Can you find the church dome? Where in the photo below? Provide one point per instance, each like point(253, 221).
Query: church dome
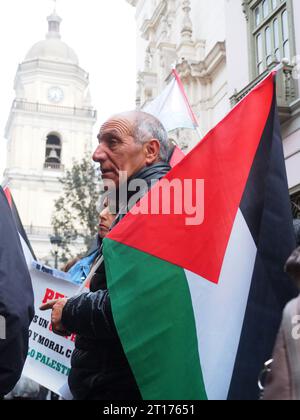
point(53, 48)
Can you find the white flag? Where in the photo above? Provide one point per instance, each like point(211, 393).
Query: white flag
point(172, 107)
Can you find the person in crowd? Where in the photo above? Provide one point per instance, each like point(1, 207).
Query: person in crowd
point(283, 380)
point(135, 143)
point(79, 268)
point(16, 301)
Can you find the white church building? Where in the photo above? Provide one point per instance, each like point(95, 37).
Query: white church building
point(50, 123)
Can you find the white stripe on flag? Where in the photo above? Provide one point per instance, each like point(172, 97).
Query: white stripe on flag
point(220, 310)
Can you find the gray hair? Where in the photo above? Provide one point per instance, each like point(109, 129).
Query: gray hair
point(148, 127)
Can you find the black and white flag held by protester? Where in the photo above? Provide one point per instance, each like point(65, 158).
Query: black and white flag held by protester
point(16, 300)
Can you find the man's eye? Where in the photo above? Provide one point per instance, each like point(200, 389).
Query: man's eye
point(113, 142)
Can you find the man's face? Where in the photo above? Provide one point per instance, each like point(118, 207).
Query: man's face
point(117, 150)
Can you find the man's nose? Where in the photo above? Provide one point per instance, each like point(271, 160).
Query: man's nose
point(99, 154)
point(103, 215)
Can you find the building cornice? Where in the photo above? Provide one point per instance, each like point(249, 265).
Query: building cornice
point(132, 2)
point(49, 177)
point(164, 45)
point(25, 108)
point(152, 23)
point(205, 68)
point(52, 68)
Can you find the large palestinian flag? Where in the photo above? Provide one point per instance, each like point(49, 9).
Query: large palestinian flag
point(198, 308)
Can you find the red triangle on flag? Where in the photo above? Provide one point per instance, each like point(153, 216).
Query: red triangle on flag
point(177, 157)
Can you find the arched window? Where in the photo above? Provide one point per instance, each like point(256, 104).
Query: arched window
point(53, 152)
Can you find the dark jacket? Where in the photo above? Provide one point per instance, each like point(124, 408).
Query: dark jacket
point(16, 301)
point(100, 370)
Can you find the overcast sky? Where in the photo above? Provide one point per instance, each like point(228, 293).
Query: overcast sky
point(102, 33)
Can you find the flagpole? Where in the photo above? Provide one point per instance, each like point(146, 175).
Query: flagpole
point(193, 115)
point(86, 283)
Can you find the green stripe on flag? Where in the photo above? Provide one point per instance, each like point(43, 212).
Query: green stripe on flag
point(153, 313)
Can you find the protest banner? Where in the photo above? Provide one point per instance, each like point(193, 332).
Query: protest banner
point(49, 355)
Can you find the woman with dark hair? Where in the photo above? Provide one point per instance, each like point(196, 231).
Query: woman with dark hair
point(80, 267)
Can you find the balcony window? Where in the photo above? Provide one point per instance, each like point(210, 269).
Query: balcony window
point(271, 32)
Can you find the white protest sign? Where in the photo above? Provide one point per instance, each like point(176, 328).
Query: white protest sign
point(49, 355)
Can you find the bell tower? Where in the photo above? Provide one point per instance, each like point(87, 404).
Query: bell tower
point(50, 123)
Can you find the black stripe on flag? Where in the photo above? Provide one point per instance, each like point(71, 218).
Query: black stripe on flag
point(20, 228)
point(16, 300)
point(267, 211)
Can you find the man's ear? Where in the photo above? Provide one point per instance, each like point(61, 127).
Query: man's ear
point(152, 151)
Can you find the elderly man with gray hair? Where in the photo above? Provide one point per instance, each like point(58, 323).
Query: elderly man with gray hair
point(135, 143)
